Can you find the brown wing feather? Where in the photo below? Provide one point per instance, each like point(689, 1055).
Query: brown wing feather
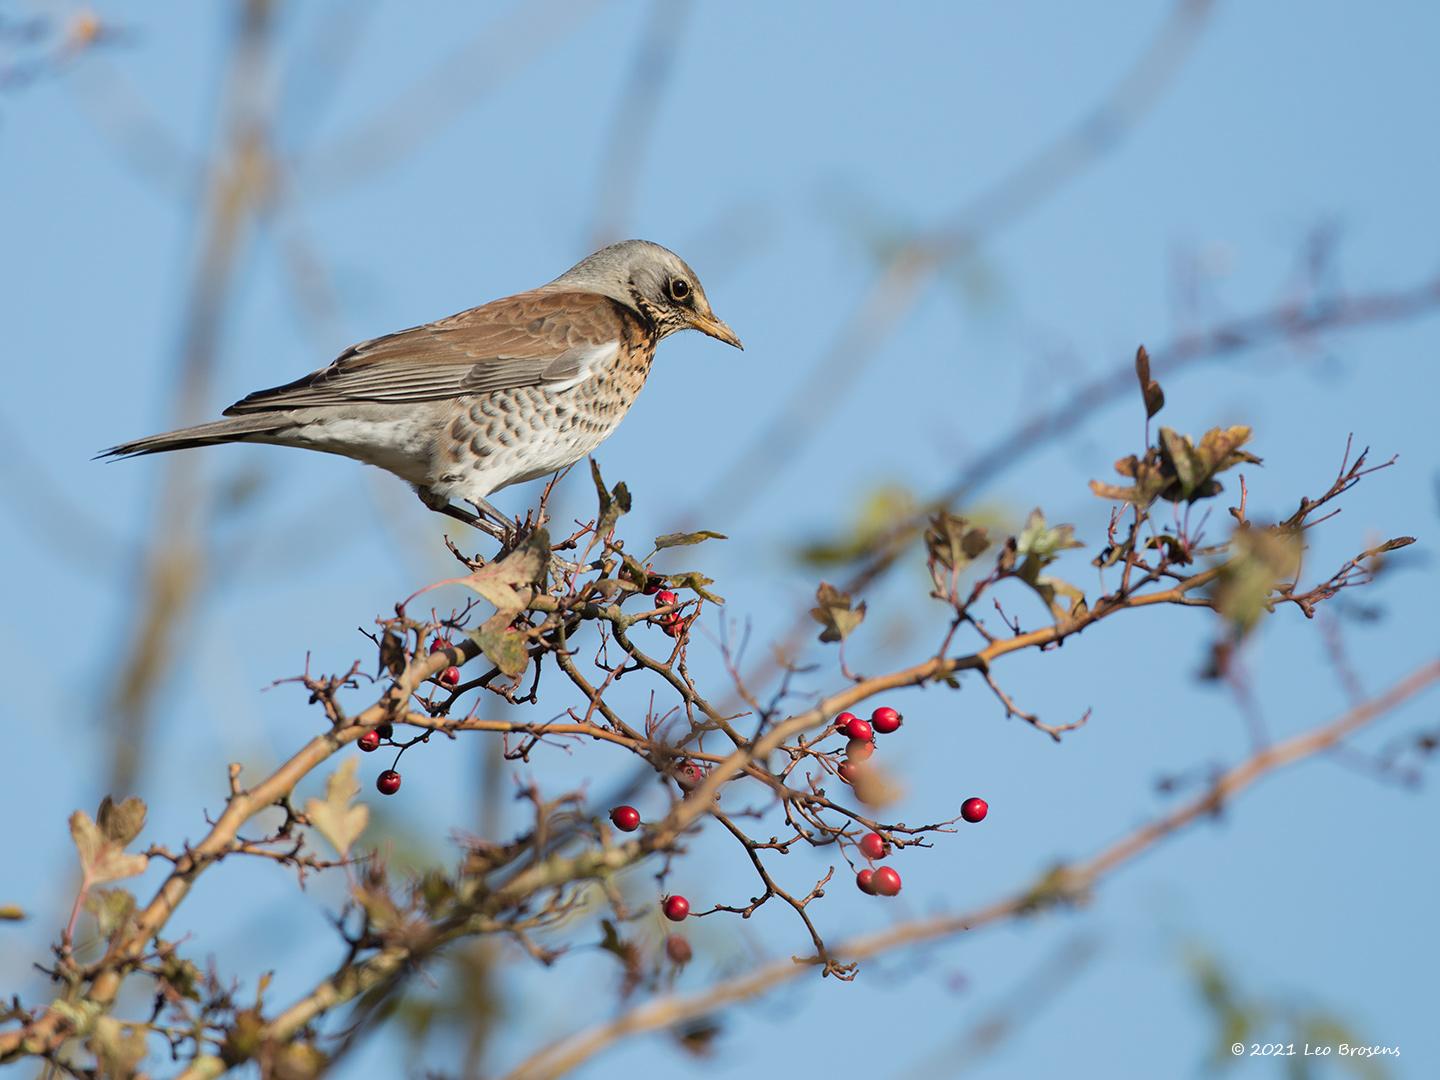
point(529, 339)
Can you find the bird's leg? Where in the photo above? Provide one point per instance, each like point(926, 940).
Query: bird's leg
point(514, 530)
point(444, 506)
point(488, 509)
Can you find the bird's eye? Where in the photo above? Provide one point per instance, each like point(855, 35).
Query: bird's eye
point(679, 289)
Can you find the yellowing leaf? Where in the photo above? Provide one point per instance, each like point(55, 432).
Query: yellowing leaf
point(502, 646)
point(334, 816)
point(509, 582)
point(118, 1047)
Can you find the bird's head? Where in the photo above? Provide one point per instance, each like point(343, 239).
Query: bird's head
point(653, 281)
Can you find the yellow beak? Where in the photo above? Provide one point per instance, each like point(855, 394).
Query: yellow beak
point(709, 324)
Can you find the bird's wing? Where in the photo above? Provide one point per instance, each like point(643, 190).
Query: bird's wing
point(552, 339)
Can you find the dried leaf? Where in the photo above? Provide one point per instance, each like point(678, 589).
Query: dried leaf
point(834, 612)
point(1389, 545)
point(670, 540)
point(121, 823)
point(612, 503)
point(509, 583)
point(695, 583)
point(392, 653)
point(334, 816)
point(954, 542)
point(1177, 469)
point(1149, 388)
point(102, 857)
point(11, 913)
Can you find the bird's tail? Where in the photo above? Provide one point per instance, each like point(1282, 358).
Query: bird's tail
point(256, 428)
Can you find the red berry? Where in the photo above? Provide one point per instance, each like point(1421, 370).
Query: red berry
point(973, 810)
point(676, 908)
point(673, 624)
point(847, 772)
point(665, 596)
point(859, 729)
point(369, 741)
point(625, 818)
point(865, 881)
point(688, 775)
point(388, 782)
point(886, 881)
point(842, 722)
point(873, 846)
point(678, 949)
point(439, 644)
point(885, 720)
point(385, 730)
point(450, 676)
point(857, 750)
point(652, 584)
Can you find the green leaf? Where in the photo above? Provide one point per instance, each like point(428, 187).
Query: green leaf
point(334, 816)
point(102, 852)
point(670, 540)
point(836, 612)
point(1149, 388)
point(873, 519)
point(1260, 561)
point(502, 646)
point(1039, 541)
point(509, 583)
point(112, 909)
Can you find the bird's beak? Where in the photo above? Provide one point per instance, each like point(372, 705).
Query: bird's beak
point(709, 324)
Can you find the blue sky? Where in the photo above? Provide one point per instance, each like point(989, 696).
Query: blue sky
point(785, 139)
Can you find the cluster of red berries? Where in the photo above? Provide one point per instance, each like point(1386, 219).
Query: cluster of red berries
point(861, 733)
point(882, 880)
point(451, 675)
point(673, 623)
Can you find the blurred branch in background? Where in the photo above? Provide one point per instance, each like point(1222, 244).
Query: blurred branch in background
point(633, 125)
point(1064, 885)
point(1022, 1005)
point(432, 102)
point(872, 557)
point(38, 47)
point(239, 187)
point(910, 265)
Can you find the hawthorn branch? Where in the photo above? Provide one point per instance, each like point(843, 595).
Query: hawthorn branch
point(1063, 885)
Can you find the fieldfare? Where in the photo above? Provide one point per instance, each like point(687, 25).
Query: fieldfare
point(506, 392)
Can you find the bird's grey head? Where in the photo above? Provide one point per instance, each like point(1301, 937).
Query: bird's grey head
point(653, 281)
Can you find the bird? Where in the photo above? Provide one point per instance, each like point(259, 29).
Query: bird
point(495, 395)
